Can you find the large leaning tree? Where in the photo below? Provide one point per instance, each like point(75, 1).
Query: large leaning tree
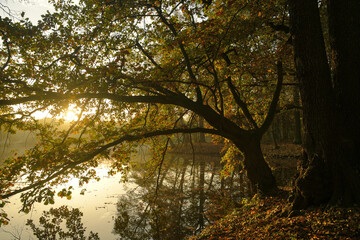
point(327, 59)
point(136, 70)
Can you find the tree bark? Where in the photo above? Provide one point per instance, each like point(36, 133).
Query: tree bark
point(297, 119)
point(329, 171)
point(344, 28)
point(257, 169)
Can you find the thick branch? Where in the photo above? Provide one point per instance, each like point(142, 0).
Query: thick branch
point(217, 87)
point(58, 96)
point(275, 99)
point(213, 118)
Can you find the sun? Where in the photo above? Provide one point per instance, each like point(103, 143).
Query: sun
point(71, 114)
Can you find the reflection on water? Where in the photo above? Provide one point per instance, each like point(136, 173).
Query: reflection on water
point(179, 202)
point(63, 223)
point(98, 205)
point(186, 195)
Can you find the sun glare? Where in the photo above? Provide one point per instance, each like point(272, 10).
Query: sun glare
point(71, 114)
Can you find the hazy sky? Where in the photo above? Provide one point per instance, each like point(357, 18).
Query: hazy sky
point(33, 8)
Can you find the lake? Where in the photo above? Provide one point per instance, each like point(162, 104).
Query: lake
point(188, 194)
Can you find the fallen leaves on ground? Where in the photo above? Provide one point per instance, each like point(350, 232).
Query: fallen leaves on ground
point(261, 219)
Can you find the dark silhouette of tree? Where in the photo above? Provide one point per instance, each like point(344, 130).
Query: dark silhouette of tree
point(329, 76)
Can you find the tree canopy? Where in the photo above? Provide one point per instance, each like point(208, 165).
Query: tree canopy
point(139, 70)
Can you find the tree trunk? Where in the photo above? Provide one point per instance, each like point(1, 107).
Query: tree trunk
point(297, 128)
point(329, 171)
point(344, 28)
point(258, 171)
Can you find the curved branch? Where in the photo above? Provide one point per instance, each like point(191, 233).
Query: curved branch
point(72, 56)
point(210, 115)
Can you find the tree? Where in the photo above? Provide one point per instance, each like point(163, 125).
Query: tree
point(134, 70)
point(329, 77)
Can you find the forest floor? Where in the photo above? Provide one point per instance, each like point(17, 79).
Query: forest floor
point(262, 218)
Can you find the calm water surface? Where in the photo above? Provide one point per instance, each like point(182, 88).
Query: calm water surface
point(188, 194)
point(98, 205)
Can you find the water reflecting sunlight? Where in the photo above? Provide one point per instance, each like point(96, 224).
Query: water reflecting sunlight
point(186, 196)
